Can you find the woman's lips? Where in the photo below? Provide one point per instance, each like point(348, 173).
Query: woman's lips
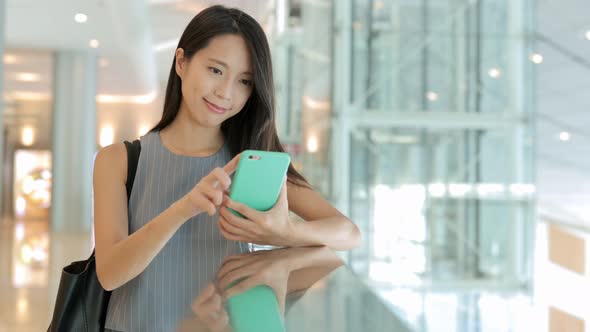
point(214, 108)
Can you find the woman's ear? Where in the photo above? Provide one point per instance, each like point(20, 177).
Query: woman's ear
point(180, 63)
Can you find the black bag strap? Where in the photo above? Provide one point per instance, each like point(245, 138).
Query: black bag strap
point(133, 151)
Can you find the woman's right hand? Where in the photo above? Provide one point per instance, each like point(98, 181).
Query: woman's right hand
point(207, 195)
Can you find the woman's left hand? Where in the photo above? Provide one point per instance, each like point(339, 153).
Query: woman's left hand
point(270, 227)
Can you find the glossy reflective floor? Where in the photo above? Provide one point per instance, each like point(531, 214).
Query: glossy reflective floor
point(31, 259)
point(321, 295)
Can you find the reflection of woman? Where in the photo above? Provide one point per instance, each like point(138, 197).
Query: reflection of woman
point(286, 271)
point(157, 252)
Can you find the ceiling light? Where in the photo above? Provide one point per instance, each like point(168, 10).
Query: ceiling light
point(20, 206)
point(143, 130)
point(94, 43)
point(27, 95)
point(432, 96)
point(316, 104)
point(564, 136)
point(403, 139)
point(494, 72)
point(28, 77)
point(166, 45)
point(10, 59)
point(587, 34)
point(312, 144)
point(133, 99)
point(27, 136)
point(81, 18)
point(106, 136)
point(537, 58)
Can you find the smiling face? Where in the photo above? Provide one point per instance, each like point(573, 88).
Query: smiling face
point(216, 82)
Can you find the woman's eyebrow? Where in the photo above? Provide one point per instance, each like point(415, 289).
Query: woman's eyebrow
point(226, 66)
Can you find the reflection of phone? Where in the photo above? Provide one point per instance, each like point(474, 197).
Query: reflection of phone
point(257, 183)
point(259, 178)
point(255, 310)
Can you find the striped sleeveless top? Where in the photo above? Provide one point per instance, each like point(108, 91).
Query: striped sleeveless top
point(160, 297)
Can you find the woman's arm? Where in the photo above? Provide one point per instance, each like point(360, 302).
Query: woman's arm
point(324, 224)
point(120, 257)
point(310, 265)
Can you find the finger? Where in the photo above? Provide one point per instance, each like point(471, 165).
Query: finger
point(231, 264)
point(205, 294)
point(213, 305)
point(241, 287)
point(237, 256)
point(226, 234)
point(220, 322)
point(215, 195)
point(219, 175)
point(283, 194)
point(231, 166)
point(284, 188)
point(210, 308)
point(203, 202)
point(243, 209)
point(211, 312)
point(232, 233)
point(206, 303)
point(236, 274)
point(235, 224)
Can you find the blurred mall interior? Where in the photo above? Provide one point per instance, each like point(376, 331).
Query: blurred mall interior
point(450, 131)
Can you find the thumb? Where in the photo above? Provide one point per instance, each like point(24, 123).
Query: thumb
point(283, 194)
point(281, 299)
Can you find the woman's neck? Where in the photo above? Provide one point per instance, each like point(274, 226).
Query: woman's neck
point(186, 137)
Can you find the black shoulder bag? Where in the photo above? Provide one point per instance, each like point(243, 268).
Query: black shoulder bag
point(81, 303)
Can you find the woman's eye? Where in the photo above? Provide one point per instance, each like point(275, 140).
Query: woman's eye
point(247, 82)
point(215, 70)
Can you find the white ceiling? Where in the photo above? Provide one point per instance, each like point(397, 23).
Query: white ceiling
point(128, 32)
point(563, 104)
point(124, 39)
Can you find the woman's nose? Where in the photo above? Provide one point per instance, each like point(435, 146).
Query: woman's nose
point(223, 91)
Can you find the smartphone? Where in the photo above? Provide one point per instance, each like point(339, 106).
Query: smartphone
point(258, 179)
point(255, 310)
point(257, 183)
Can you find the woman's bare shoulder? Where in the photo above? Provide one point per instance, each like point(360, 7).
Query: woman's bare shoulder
point(112, 159)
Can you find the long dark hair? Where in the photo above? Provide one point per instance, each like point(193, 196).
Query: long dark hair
point(254, 126)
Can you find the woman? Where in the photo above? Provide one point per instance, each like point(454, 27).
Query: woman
point(159, 251)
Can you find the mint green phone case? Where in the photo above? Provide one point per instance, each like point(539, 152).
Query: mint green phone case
point(257, 183)
point(255, 310)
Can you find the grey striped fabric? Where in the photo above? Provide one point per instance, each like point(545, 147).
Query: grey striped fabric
point(161, 296)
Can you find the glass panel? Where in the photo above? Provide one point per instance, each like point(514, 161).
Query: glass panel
point(453, 208)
